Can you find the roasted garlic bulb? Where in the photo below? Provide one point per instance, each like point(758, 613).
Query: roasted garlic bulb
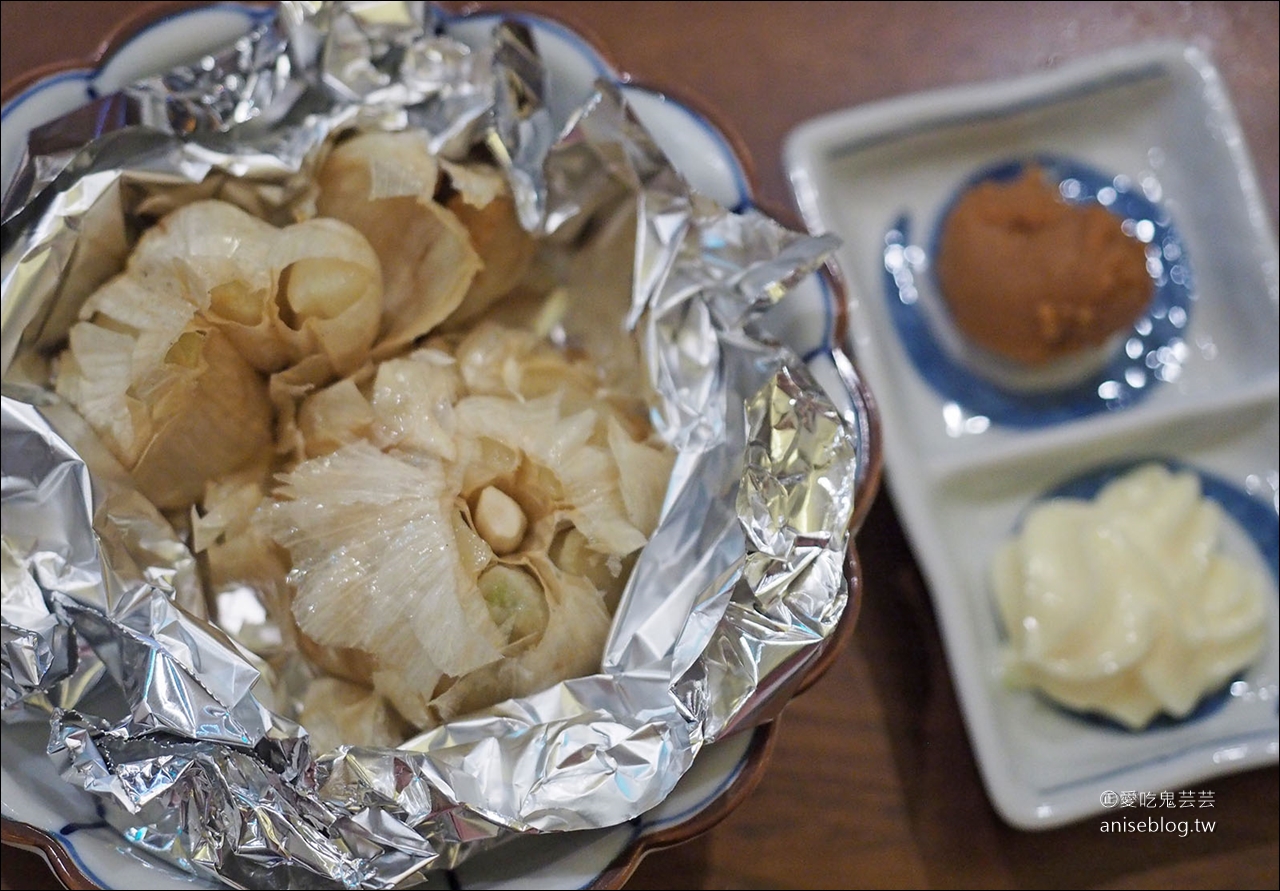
point(470, 533)
point(440, 261)
point(437, 512)
point(169, 361)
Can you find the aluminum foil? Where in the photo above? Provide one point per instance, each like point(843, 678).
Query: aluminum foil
point(165, 717)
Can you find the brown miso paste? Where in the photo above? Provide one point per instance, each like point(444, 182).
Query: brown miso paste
point(1032, 278)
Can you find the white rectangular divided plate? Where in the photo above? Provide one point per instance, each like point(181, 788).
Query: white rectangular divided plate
point(1159, 120)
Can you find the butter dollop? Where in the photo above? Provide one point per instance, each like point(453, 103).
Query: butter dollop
point(1125, 605)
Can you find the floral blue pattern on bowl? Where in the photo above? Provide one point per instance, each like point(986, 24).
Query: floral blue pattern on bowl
point(66, 818)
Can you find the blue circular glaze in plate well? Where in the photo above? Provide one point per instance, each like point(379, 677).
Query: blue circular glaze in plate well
point(1151, 353)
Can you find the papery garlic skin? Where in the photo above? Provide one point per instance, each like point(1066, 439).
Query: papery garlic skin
point(234, 548)
point(384, 185)
point(169, 361)
point(1125, 605)
point(376, 564)
point(337, 712)
point(197, 413)
point(505, 249)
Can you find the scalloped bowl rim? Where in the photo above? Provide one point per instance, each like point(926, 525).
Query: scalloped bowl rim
point(49, 91)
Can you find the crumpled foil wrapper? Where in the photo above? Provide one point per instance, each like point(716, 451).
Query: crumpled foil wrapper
point(160, 713)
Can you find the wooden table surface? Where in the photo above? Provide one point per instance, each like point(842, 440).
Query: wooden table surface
point(873, 781)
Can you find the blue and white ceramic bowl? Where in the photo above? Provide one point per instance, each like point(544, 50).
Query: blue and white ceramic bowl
point(43, 813)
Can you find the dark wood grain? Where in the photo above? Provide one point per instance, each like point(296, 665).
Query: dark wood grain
point(873, 782)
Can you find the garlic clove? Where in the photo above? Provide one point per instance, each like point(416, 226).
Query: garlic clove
point(499, 520)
